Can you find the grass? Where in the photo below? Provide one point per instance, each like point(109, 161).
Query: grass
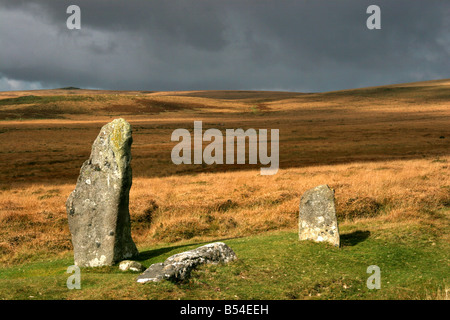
point(216, 205)
point(405, 233)
point(384, 151)
point(270, 266)
point(32, 99)
point(315, 129)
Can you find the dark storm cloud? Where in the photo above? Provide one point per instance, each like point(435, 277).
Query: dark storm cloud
point(195, 44)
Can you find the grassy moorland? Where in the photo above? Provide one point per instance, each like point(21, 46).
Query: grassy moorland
point(385, 151)
point(274, 265)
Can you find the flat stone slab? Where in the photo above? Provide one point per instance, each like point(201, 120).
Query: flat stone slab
point(154, 273)
point(179, 266)
point(317, 216)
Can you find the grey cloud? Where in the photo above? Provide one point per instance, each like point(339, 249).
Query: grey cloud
point(253, 44)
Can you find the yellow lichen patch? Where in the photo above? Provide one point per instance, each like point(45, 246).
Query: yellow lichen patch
point(121, 132)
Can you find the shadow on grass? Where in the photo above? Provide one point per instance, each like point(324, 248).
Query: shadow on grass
point(353, 238)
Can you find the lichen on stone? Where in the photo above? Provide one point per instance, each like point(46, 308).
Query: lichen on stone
point(121, 133)
point(101, 199)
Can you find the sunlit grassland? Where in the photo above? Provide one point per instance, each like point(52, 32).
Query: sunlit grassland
point(383, 150)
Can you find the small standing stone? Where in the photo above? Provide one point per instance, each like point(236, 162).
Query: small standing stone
point(317, 217)
point(97, 210)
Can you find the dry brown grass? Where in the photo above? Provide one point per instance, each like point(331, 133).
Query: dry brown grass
point(377, 124)
point(219, 205)
point(384, 150)
point(443, 294)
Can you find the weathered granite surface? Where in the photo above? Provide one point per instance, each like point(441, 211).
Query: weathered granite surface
point(317, 216)
point(97, 210)
point(178, 267)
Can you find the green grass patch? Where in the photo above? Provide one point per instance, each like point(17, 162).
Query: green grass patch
point(274, 265)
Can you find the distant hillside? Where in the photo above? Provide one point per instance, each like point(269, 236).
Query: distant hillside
point(65, 103)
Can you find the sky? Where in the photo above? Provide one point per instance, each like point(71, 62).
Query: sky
point(170, 45)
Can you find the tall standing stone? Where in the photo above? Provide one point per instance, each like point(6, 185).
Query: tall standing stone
point(97, 210)
point(317, 218)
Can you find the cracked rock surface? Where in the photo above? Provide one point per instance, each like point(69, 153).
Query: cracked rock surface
point(179, 266)
point(97, 210)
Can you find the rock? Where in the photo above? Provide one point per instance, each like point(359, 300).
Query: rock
point(317, 218)
point(130, 265)
point(97, 210)
point(178, 267)
point(154, 273)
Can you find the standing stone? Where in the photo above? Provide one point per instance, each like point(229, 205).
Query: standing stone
point(317, 218)
point(97, 210)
